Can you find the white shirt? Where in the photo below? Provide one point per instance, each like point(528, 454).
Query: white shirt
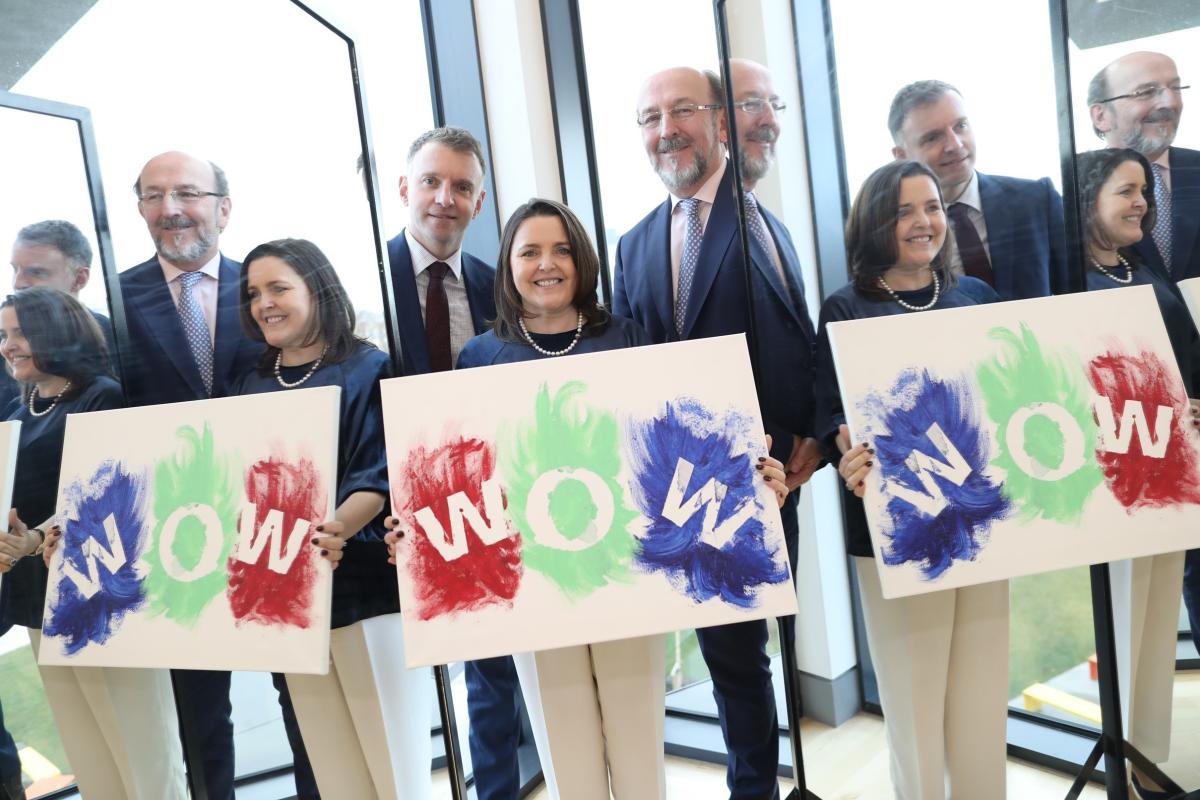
point(706, 194)
point(205, 291)
point(970, 199)
point(462, 328)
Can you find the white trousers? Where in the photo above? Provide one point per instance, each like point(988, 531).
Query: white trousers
point(366, 723)
point(119, 729)
point(597, 713)
point(1146, 594)
point(941, 660)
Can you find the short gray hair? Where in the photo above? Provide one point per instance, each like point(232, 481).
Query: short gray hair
point(459, 140)
point(62, 236)
point(1098, 89)
point(912, 96)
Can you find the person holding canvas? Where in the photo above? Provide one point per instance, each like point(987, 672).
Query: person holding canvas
point(117, 726)
point(1117, 202)
point(941, 658)
point(358, 722)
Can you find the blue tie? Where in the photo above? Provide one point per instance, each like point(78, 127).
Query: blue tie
point(196, 327)
point(1162, 223)
point(758, 228)
point(687, 261)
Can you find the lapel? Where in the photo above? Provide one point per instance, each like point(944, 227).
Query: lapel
point(658, 281)
point(1185, 208)
point(150, 297)
point(794, 301)
point(1000, 231)
point(408, 308)
point(718, 237)
point(229, 325)
point(483, 307)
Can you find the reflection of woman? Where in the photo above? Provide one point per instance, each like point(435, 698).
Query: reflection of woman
point(1116, 191)
point(117, 725)
point(365, 725)
point(941, 658)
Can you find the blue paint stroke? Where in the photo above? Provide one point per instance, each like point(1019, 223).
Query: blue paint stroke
point(717, 449)
point(959, 531)
point(82, 620)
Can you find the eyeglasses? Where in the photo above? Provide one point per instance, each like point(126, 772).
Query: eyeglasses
point(651, 119)
point(1147, 93)
point(182, 196)
point(755, 106)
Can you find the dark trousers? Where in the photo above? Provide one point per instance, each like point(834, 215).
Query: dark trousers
point(736, 656)
point(306, 782)
point(493, 708)
point(10, 763)
point(1191, 593)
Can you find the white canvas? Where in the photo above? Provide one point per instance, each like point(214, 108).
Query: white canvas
point(572, 500)
point(10, 437)
point(186, 532)
point(1062, 437)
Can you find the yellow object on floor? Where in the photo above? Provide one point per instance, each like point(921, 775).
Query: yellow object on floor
point(36, 765)
point(1039, 694)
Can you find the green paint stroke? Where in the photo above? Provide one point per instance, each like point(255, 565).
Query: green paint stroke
point(1023, 374)
point(564, 433)
point(194, 474)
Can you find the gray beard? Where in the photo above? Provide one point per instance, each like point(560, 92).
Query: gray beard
point(1148, 145)
point(184, 254)
point(753, 169)
point(683, 177)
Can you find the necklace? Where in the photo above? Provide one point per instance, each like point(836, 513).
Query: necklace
point(1104, 270)
point(57, 397)
point(544, 351)
point(316, 366)
point(937, 291)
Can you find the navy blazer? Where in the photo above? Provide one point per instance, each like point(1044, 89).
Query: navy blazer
point(1185, 219)
point(479, 278)
point(161, 368)
point(1027, 239)
point(642, 291)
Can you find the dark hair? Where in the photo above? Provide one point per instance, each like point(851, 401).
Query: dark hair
point(459, 140)
point(912, 96)
point(1097, 92)
point(62, 236)
point(871, 229)
point(1093, 169)
point(716, 86)
point(334, 317)
point(510, 307)
point(222, 182)
point(64, 338)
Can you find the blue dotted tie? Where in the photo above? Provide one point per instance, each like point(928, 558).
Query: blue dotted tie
point(758, 228)
point(687, 262)
point(1162, 223)
point(196, 327)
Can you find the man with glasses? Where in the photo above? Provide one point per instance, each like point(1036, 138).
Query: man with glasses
point(1008, 232)
point(181, 309)
point(1136, 102)
point(699, 290)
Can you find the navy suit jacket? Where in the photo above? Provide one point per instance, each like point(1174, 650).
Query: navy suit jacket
point(1027, 238)
point(1185, 219)
point(642, 291)
point(161, 368)
point(479, 279)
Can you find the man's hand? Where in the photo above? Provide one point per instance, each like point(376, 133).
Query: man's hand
point(806, 455)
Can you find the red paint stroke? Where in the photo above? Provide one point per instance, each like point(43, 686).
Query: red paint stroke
point(487, 574)
point(1135, 479)
point(256, 592)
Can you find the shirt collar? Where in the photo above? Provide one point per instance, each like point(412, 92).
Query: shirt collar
point(1164, 160)
point(212, 269)
point(422, 258)
point(970, 195)
point(708, 191)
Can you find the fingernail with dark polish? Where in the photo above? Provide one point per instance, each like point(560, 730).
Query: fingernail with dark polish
point(313, 540)
point(766, 477)
point(758, 466)
point(324, 552)
point(762, 459)
point(320, 528)
point(871, 450)
point(869, 463)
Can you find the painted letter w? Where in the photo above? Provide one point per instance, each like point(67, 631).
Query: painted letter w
point(461, 513)
point(113, 559)
point(1133, 416)
point(251, 543)
point(954, 469)
point(710, 495)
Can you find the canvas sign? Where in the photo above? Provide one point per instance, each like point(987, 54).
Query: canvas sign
point(186, 531)
point(573, 500)
point(1020, 437)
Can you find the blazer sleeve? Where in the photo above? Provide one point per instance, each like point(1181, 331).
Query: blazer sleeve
point(361, 429)
point(1060, 278)
point(620, 298)
point(830, 414)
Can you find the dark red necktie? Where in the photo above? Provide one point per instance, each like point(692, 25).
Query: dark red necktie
point(970, 248)
point(437, 318)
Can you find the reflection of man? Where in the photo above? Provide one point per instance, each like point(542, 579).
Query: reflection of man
point(758, 108)
point(1136, 101)
point(181, 308)
point(1009, 232)
point(443, 299)
point(699, 291)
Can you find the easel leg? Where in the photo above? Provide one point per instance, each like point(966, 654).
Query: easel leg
point(794, 706)
point(454, 767)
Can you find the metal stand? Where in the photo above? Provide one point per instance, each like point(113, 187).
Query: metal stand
point(454, 767)
point(1112, 743)
point(795, 707)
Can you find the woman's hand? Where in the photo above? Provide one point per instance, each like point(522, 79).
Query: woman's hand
point(17, 543)
point(53, 537)
point(392, 537)
point(773, 474)
point(1195, 407)
point(856, 462)
point(329, 541)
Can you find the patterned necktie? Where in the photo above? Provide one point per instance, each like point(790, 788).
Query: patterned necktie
point(970, 247)
point(195, 327)
point(437, 317)
point(758, 228)
point(687, 262)
point(1162, 222)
